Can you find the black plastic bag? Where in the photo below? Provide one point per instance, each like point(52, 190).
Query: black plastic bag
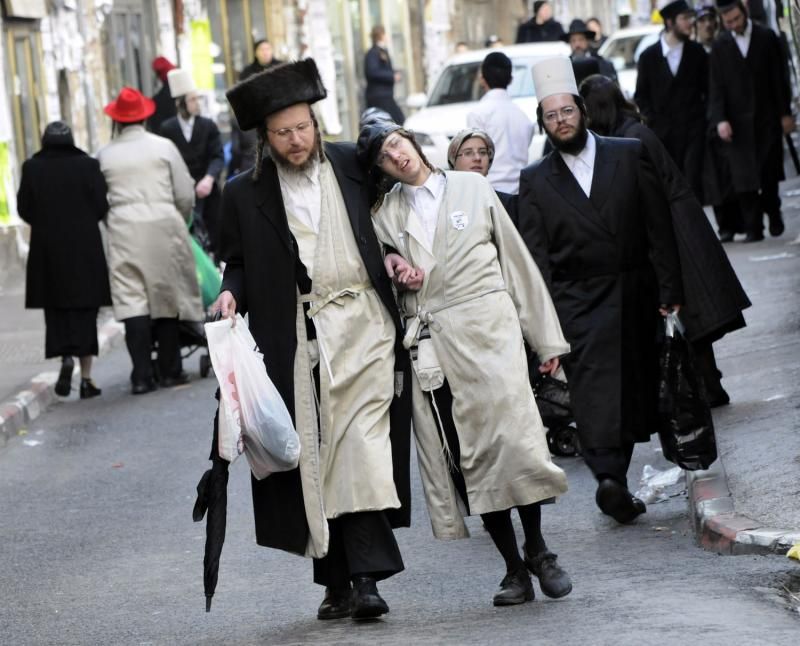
point(552, 399)
point(686, 429)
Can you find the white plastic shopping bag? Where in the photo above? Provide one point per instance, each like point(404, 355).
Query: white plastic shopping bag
point(252, 417)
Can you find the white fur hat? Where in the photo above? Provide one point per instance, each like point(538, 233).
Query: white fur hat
point(554, 76)
point(180, 82)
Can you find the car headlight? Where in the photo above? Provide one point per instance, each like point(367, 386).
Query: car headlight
point(423, 139)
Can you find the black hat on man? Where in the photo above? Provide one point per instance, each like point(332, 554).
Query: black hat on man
point(577, 26)
point(370, 140)
point(705, 10)
point(267, 92)
point(672, 10)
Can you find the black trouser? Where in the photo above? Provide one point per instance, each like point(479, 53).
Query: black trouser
point(610, 462)
point(139, 334)
point(361, 543)
point(706, 364)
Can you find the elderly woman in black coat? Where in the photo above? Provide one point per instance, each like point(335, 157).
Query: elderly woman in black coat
point(62, 196)
point(714, 296)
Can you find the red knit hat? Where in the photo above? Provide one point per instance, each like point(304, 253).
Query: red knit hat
point(131, 106)
point(161, 66)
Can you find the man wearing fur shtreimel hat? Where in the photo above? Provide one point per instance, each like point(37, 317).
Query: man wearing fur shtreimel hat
point(594, 217)
point(199, 142)
point(303, 261)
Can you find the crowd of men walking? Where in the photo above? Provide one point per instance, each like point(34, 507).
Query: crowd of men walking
point(381, 289)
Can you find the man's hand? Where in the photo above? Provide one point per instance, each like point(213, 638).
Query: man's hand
point(666, 309)
point(204, 187)
point(725, 131)
point(398, 77)
point(788, 124)
point(550, 366)
point(225, 305)
point(403, 275)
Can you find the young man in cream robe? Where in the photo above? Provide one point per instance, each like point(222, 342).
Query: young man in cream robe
point(480, 441)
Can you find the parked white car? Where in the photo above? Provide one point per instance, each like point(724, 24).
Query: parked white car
point(623, 49)
point(456, 92)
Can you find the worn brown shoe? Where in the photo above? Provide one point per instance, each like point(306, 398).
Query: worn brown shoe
point(515, 588)
point(553, 579)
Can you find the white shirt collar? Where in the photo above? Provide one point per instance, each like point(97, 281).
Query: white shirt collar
point(666, 48)
point(496, 93)
point(585, 156)
point(433, 185)
point(310, 175)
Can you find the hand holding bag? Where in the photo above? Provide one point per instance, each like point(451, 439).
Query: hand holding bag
point(250, 402)
point(686, 428)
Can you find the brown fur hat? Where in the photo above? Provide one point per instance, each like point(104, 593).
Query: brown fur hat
point(263, 94)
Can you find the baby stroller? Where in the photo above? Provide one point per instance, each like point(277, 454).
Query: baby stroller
point(192, 333)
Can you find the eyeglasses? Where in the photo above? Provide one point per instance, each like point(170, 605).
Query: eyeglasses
point(285, 133)
point(390, 146)
point(471, 153)
point(564, 114)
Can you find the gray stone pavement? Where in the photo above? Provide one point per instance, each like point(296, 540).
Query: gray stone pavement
point(97, 546)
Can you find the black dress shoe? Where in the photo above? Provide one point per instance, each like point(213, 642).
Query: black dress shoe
point(366, 602)
point(515, 588)
point(142, 387)
point(718, 398)
point(616, 501)
point(178, 380)
point(336, 604)
point(753, 237)
point(88, 389)
point(553, 580)
point(726, 236)
point(64, 383)
point(776, 227)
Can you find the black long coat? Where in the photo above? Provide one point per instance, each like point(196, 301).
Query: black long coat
point(609, 260)
point(203, 156)
point(62, 195)
point(714, 297)
point(752, 94)
point(379, 73)
point(263, 272)
point(675, 106)
point(165, 108)
point(531, 32)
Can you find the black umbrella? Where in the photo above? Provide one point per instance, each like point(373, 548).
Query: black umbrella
point(212, 495)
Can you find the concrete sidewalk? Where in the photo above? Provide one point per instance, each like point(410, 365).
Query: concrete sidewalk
point(27, 378)
point(752, 503)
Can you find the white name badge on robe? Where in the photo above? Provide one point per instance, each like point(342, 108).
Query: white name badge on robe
point(460, 220)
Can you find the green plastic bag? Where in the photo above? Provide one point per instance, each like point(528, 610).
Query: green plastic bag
point(207, 275)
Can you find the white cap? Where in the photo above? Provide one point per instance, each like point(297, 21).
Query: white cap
point(554, 76)
point(180, 82)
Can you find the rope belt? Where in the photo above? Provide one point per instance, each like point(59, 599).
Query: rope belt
point(425, 317)
point(319, 301)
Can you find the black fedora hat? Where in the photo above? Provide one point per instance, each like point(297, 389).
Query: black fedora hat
point(577, 26)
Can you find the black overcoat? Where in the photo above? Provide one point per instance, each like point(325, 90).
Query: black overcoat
point(62, 195)
point(379, 74)
point(609, 261)
point(714, 297)
point(263, 272)
point(203, 156)
point(674, 107)
point(531, 32)
point(752, 94)
point(165, 108)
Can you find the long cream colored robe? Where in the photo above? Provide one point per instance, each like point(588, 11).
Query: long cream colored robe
point(482, 293)
point(150, 260)
point(346, 465)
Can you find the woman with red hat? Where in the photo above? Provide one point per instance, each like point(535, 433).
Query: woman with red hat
point(151, 266)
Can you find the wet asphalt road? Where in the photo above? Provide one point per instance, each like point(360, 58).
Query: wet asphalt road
point(97, 546)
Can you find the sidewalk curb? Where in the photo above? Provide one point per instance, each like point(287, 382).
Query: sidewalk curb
point(717, 526)
point(30, 402)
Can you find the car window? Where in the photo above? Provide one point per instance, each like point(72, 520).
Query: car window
point(625, 49)
point(459, 83)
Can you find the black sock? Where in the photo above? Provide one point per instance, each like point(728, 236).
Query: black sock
point(498, 524)
point(531, 517)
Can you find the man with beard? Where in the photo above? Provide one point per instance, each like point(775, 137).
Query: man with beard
point(585, 61)
point(596, 222)
point(304, 263)
point(750, 107)
point(672, 90)
point(198, 141)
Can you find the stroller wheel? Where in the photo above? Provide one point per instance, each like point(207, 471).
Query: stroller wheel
point(205, 365)
point(563, 441)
